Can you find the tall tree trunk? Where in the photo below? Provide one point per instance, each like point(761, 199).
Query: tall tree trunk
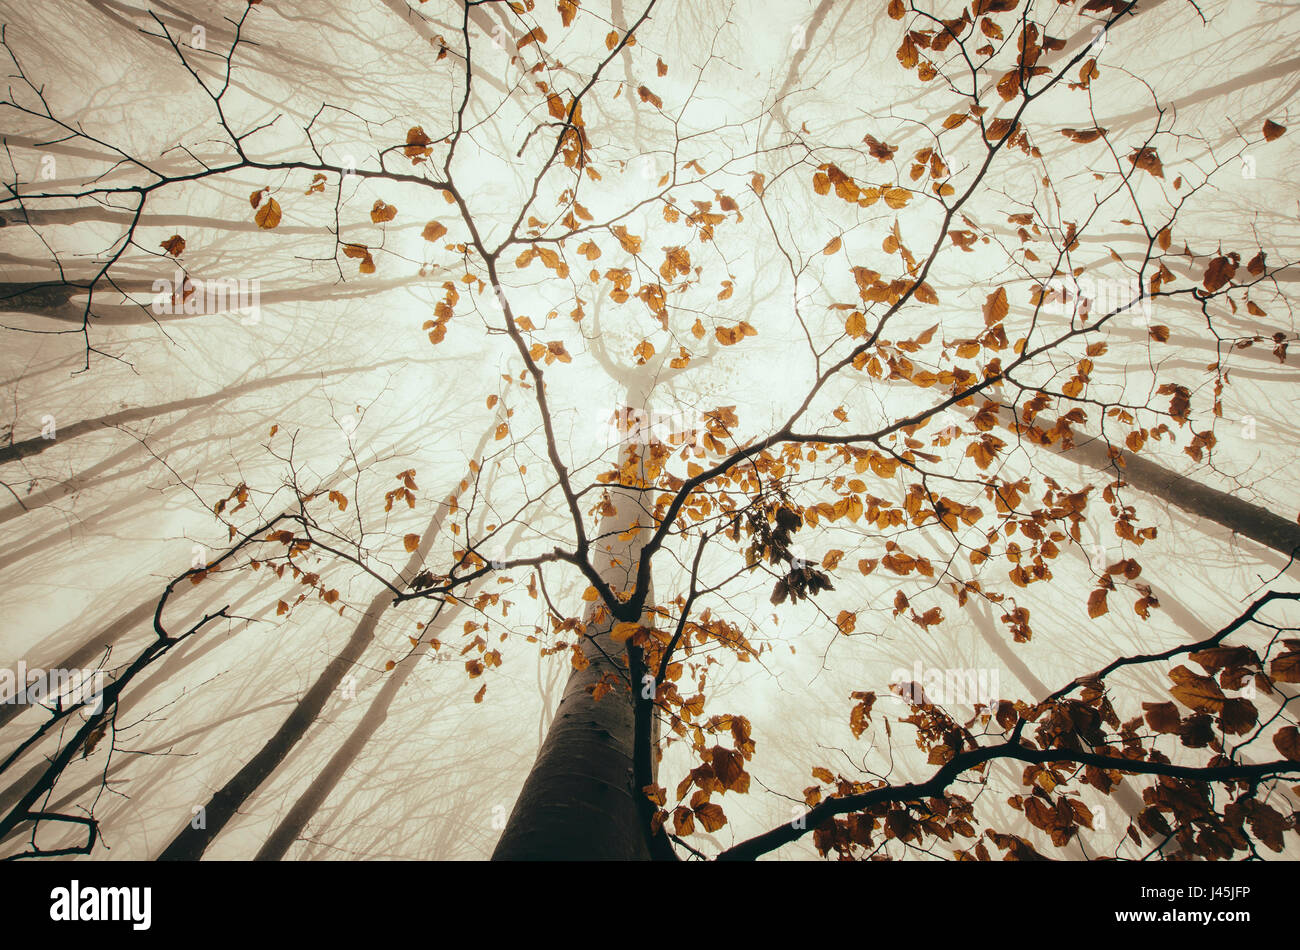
point(582, 799)
point(578, 802)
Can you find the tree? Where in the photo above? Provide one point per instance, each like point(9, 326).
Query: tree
point(886, 366)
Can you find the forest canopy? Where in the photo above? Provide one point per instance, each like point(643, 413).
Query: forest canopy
point(649, 430)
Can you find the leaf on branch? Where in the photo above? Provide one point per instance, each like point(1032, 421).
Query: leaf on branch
point(631, 243)
point(880, 151)
point(624, 631)
point(1287, 741)
point(433, 231)
point(381, 212)
point(1272, 130)
point(1238, 717)
point(683, 821)
point(1285, 667)
point(1146, 159)
point(1199, 693)
point(174, 245)
point(1162, 717)
point(535, 35)
point(362, 253)
point(1009, 85)
point(907, 53)
point(1097, 603)
point(856, 324)
point(711, 816)
point(925, 293)
point(996, 307)
point(896, 197)
point(268, 216)
point(418, 145)
point(729, 336)
point(1220, 271)
point(1083, 136)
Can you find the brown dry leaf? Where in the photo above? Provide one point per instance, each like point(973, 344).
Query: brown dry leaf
point(268, 216)
point(1097, 603)
point(1009, 85)
point(418, 145)
point(1287, 741)
point(1083, 136)
point(1220, 271)
point(1162, 717)
point(1285, 667)
point(631, 243)
point(925, 293)
point(996, 307)
point(1146, 159)
point(362, 253)
point(711, 816)
point(683, 821)
point(535, 35)
point(1200, 693)
point(896, 197)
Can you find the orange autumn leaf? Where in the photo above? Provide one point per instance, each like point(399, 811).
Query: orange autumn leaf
point(268, 215)
point(1097, 603)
